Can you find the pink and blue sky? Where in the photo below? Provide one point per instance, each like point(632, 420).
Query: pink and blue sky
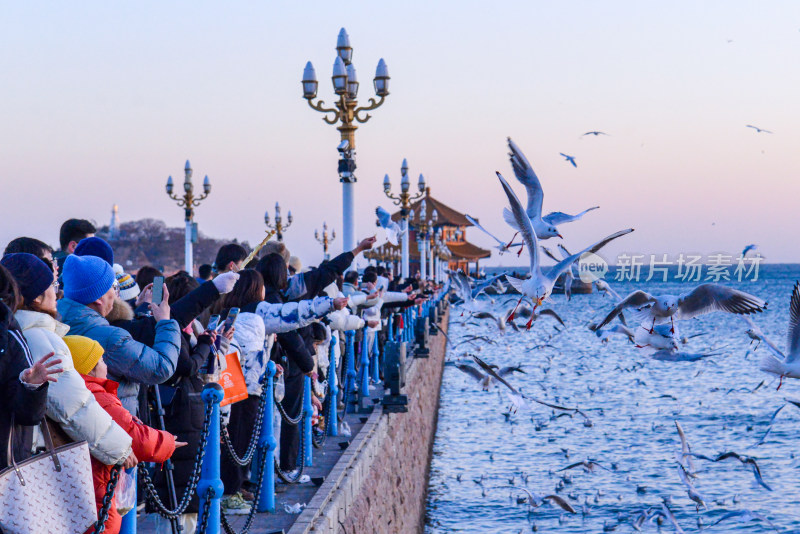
point(102, 101)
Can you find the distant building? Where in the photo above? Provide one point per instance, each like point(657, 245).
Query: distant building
point(113, 227)
point(453, 224)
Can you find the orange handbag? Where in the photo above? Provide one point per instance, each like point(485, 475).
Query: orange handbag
point(232, 381)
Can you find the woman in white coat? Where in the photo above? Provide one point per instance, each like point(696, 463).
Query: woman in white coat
point(69, 403)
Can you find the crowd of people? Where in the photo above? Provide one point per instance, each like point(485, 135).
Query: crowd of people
point(87, 350)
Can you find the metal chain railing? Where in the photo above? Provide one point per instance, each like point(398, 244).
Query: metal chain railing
point(108, 498)
point(150, 490)
point(256, 496)
point(318, 438)
point(205, 512)
point(247, 457)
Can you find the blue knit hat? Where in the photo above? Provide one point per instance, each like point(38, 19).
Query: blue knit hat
point(95, 246)
point(32, 274)
point(86, 278)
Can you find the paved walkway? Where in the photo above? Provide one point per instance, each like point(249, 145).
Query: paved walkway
point(324, 459)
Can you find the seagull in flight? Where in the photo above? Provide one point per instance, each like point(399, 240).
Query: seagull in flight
point(545, 226)
point(705, 298)
point(502, 246)
point(570, 159)
point(594, 133)
point(757, 129)
point(539, 286)
point(393, 230)
point(779, 363)
point(486, 379)
point(747, 249)
point(535, 501)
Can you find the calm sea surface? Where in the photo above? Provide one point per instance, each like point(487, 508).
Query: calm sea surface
point(633, 402)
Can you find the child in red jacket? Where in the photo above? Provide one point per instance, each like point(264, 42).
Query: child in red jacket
point(149, 444)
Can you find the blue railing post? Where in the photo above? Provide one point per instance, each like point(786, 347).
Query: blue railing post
point(332, 424)
point(350, 381)
point(128, 525)
point(209, 473)
point(363, 371)
point(308, 411)
point(266, 495)
point(390, 328)
point(375, 361)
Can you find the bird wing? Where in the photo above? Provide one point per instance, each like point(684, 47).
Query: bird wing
point(793, 335)
point(480, 288)
point(505, 371)
point(384, 217)
point(531, 498)
point(524, 226)
point(553, 314)
point(524, 173)
point(549, 254)
point(471, 371)
point(564, 505)
point(559, 217)
point(570, 466)
point(637, 299)
point(707, 298)
point(463, 288)
point(491, 372)
point(748, 248)
point(485, 231)
point(565, 264)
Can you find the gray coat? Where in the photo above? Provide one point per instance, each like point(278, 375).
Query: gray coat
point(129, 362)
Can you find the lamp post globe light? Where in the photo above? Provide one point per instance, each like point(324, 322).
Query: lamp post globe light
point(325, 239)
point(279, 227)
point(404, 200)
point(346, 114)
point(188, 202)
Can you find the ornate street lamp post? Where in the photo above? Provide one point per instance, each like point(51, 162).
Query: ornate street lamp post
point(188, 202)
point(404, 200)
point(346, 114)
point(325, 240)
point(278, 227)
point(423, 242)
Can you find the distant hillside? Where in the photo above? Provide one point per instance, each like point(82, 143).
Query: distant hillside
point(151, 242)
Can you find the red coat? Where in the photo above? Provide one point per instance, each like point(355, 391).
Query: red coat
point(149, 444)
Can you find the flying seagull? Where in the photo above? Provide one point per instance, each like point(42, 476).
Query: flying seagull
point(786, 364)
point(485, 379)
point(705, 298)
point(545, 226)
point(747, 249)
point(535, 501)
point(570, 159)
point(393, 230)
point(594, 133)
point(539, 286)
point(502, 246)
point(757, 129)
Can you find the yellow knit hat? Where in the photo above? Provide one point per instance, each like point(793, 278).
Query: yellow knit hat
point(85, 353)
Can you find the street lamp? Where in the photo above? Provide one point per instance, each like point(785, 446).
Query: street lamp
point(278, 227)
point(404, 200)
point(429, 242)
point(346, 114)
point(325, 240)
point(425, 225)
point(188, 202)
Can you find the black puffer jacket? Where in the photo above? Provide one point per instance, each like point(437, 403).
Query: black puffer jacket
point(184, 414)
point(27, 405)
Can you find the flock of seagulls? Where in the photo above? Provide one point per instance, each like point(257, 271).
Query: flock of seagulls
point(648, 321)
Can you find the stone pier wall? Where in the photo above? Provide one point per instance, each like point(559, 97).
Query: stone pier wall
point(379, 485)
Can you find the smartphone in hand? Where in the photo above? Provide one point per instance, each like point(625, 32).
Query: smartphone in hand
point(158, 290)
point(230, 320)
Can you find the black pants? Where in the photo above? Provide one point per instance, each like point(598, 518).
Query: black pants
point(290, 434)
point(240, 428)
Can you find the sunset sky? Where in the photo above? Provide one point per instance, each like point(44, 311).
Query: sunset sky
point(102, 101)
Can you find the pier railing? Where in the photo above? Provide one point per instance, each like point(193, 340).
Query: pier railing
point(406, 336)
